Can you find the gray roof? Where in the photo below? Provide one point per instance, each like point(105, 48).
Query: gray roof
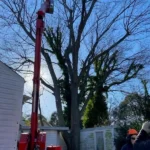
point(46, 128)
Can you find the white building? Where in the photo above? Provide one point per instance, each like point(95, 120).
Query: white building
point(99, 138)
point(11, 95)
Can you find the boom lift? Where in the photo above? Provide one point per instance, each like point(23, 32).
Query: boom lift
point(36, 140)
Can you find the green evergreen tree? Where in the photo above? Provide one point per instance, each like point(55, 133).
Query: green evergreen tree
point(96, 111)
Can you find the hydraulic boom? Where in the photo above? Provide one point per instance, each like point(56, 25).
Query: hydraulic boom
point(36, 140)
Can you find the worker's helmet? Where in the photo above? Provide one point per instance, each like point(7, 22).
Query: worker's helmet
point(132, 132)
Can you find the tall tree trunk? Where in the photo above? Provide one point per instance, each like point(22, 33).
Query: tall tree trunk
point(66, 137)
point(59, 107)
point(65, 134)
point(75, 121)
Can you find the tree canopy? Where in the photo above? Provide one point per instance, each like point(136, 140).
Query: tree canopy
point(134, 108)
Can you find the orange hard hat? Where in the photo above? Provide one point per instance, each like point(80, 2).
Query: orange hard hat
point(132, 131)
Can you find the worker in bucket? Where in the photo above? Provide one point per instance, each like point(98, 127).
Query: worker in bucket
point(143, 139)
point(131, 137)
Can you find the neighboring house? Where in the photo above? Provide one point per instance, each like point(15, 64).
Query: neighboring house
point(99, 138)
point(11, 95)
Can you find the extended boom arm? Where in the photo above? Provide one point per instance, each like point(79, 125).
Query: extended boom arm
point(36, 140)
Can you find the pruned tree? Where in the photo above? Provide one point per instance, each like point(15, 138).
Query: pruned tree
point(26, 99)
point(107, 66)
point(134, 108)
point(54, 119)
point(83, 32)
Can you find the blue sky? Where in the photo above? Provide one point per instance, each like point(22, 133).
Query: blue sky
point(47, 100)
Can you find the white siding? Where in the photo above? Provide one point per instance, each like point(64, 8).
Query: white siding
point(87, 140)
point(11, 94)
point(54, 138)
point(51, 138)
